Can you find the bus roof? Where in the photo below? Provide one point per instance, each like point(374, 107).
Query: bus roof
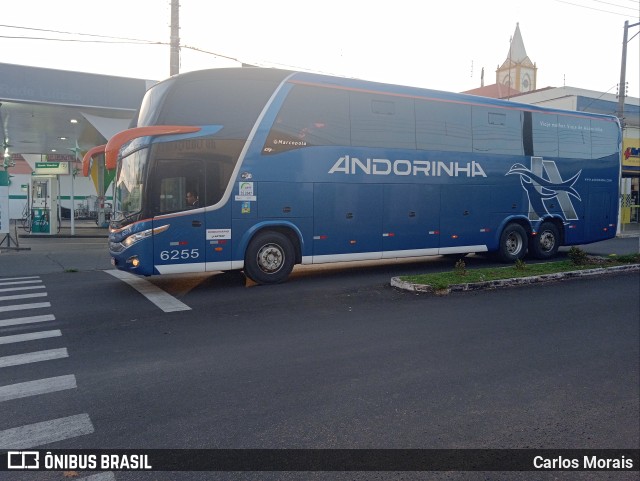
point(352, 84)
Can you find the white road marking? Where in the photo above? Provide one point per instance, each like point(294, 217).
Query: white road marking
point(30, 357)
point(23, 296)
point(18, 278)
point(34, 388)
point(14, 282)
point(33, 435)
point(20, 307)
point(160, 298)
point(30, 336)
point(22, 288)
point(27, 320)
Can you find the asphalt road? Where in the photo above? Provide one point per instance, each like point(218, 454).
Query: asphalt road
point(334, 358)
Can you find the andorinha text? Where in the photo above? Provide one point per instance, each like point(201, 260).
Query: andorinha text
point(436, 168)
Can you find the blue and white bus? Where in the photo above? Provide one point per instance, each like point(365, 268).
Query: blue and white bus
point(299, 168)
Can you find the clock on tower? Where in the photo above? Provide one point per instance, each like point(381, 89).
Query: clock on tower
point(526, 84)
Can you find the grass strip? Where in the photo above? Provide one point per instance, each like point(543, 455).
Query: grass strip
point(462, 275)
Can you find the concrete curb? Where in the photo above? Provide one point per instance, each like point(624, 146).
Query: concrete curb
point(518, 281)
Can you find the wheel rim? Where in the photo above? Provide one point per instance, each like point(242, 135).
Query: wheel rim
point(270, 258)
point(547, 241)
point(513, 243)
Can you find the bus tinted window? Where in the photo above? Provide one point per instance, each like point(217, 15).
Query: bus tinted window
point(233, 102)
point(575, 137)
point(604, 138)
point(443, 126)
point(497, 131)
point(545, 135)
point(203, 164)
point(310, 116)
point(170, 183)
point(379, 121)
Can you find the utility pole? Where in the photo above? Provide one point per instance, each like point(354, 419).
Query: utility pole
point(174, 59)
point(622, 87)
point(623, 72)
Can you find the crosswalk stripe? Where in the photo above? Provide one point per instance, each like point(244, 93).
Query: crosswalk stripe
point(20, 307)
point(23, 296)
point(37, 434)
point(29, 357)
point(40, 386)
point(22, 288)
point(18, 278)
point(30, 336)
point(13, 283)
point(16, 321)
point(160, 298)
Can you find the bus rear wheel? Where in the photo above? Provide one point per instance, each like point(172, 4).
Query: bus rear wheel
point(545, 244)
point(270, 258)
point(513, 243)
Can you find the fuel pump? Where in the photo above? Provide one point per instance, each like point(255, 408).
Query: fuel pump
point(44, 205)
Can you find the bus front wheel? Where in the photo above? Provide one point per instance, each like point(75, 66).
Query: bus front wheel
point(269, 258)
point(513, 243)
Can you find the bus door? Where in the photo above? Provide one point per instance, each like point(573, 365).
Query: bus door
point(411, 219)
point(178, 193)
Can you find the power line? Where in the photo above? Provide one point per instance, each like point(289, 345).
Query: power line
point(593, 8)
point(134, 41)
point(616, 5)
point(74, 33)
point(196, 49)
point(121, 42)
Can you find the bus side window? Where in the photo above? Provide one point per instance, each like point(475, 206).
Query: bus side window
point(443, 126)
point(545, 134)
point(497, 131)
point(603, 138)
point(382, 121)
point(575, 137)
point(310, 116)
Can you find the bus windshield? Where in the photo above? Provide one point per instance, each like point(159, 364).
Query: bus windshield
point(130, 184)
point(151, 102)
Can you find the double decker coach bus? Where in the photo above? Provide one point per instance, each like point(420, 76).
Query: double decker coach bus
point(299, 168)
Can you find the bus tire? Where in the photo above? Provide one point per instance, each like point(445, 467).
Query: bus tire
point(270, 258)
point(513, 243)
point(545, 244)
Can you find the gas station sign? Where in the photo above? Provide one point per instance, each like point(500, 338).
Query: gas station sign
point(52, 168)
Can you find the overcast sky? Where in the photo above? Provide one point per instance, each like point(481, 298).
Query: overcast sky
point(442, 45)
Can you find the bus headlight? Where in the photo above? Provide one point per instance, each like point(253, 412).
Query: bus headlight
point(138, 236)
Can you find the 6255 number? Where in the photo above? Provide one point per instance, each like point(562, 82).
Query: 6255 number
point(176, 255)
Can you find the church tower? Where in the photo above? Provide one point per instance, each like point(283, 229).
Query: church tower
point(517, 71)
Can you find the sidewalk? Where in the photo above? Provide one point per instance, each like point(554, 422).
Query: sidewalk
point(630, 230)
point(82, 229)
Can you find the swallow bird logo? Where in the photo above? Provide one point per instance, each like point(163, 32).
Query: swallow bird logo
point(542, 183)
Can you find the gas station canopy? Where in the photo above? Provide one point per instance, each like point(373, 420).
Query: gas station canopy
point(45, 111)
